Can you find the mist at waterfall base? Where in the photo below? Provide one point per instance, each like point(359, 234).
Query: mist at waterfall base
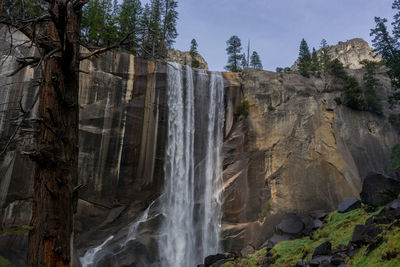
point(191, 203)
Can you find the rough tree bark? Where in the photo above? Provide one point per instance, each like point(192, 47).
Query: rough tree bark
point(56, 155)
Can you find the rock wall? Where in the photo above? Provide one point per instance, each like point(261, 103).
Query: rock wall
point(297, 151)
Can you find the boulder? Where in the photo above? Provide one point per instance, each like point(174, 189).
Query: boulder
point(395, 204)
point(317, 224)
point(363, 234)
point(378, 189)
point(318, 261)
point(338, 258)
point(349, 205)
point(218, 259)
point(247, 250)
point(323, 249)
point(291, 225)
point(209, 260)
point(277, 238)
point(318, 214)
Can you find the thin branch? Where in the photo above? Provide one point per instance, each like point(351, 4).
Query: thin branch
point(105, 49)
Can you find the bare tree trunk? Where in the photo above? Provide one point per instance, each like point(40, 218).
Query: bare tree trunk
point(56, 157)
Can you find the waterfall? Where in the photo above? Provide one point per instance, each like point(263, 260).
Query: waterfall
point(191, 202)
point(193, 177)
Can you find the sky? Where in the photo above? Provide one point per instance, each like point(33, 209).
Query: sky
point(274, 27)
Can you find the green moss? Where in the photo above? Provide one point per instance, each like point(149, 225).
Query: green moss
point(4, 262)
point(338, 229)
point(16, 230)
point(387, 254)
point(288, 253)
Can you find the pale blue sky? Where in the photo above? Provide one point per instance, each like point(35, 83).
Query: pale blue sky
point(275, 27)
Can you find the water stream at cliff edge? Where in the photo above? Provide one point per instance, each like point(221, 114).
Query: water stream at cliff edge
point(192, 167)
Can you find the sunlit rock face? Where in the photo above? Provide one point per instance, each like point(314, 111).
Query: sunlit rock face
point(297, 151)
point(351, 53)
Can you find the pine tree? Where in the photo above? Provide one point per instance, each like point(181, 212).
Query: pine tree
point(234, 50)
point(324, 57)
point(315, 63)
point(243, 61)
point(194, 53)
point(372, 101)
point(129, 22)
point(304, 58)
point(255, 61)
point(169, 22)
point(14, 10)
point(193, 47)
point(145, 28)
point(98, 22)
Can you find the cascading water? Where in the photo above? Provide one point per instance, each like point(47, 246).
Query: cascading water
point(193, 177)
point(191, 202)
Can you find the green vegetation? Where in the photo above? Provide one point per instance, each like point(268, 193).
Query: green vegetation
point(4, 262)
point(193, 52)
point(355, 96)
point(242, 108)
point(338, 229)
point(386, 44)
point(251, 260)
point(394, 158)
point(15, 230)
point(235, 57)
point(394, 119)
point(387, 254)
point(305, 59)
point(32, 8)
point(148, 31)
point(255, 61)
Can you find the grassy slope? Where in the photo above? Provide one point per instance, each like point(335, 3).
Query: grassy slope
point(337, 229)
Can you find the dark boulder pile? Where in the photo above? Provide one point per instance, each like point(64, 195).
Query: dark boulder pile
point(378, 190)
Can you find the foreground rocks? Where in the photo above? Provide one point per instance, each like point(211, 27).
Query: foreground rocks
point(379, 189)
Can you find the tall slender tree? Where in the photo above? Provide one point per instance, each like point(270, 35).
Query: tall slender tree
point(129, 23)
point(234, 50)
point(304, 58)
point(256, 61)
point(194, 53)
point(324, 56)
point(169, 32)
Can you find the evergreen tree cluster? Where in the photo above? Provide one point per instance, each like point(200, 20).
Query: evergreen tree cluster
point(313, 61)
point(356, 96)
point(150, 30)
point(237, 60)
point(387, 45)
point(19, 10)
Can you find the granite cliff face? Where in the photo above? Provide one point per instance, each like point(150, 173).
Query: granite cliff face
point(295, 151)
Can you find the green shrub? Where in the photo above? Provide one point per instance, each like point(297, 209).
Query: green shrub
point(242, 108)
point(338, 101)
point(394, 119)
point(394, 157)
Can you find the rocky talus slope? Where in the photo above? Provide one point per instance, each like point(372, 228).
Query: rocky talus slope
point(293, 150)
